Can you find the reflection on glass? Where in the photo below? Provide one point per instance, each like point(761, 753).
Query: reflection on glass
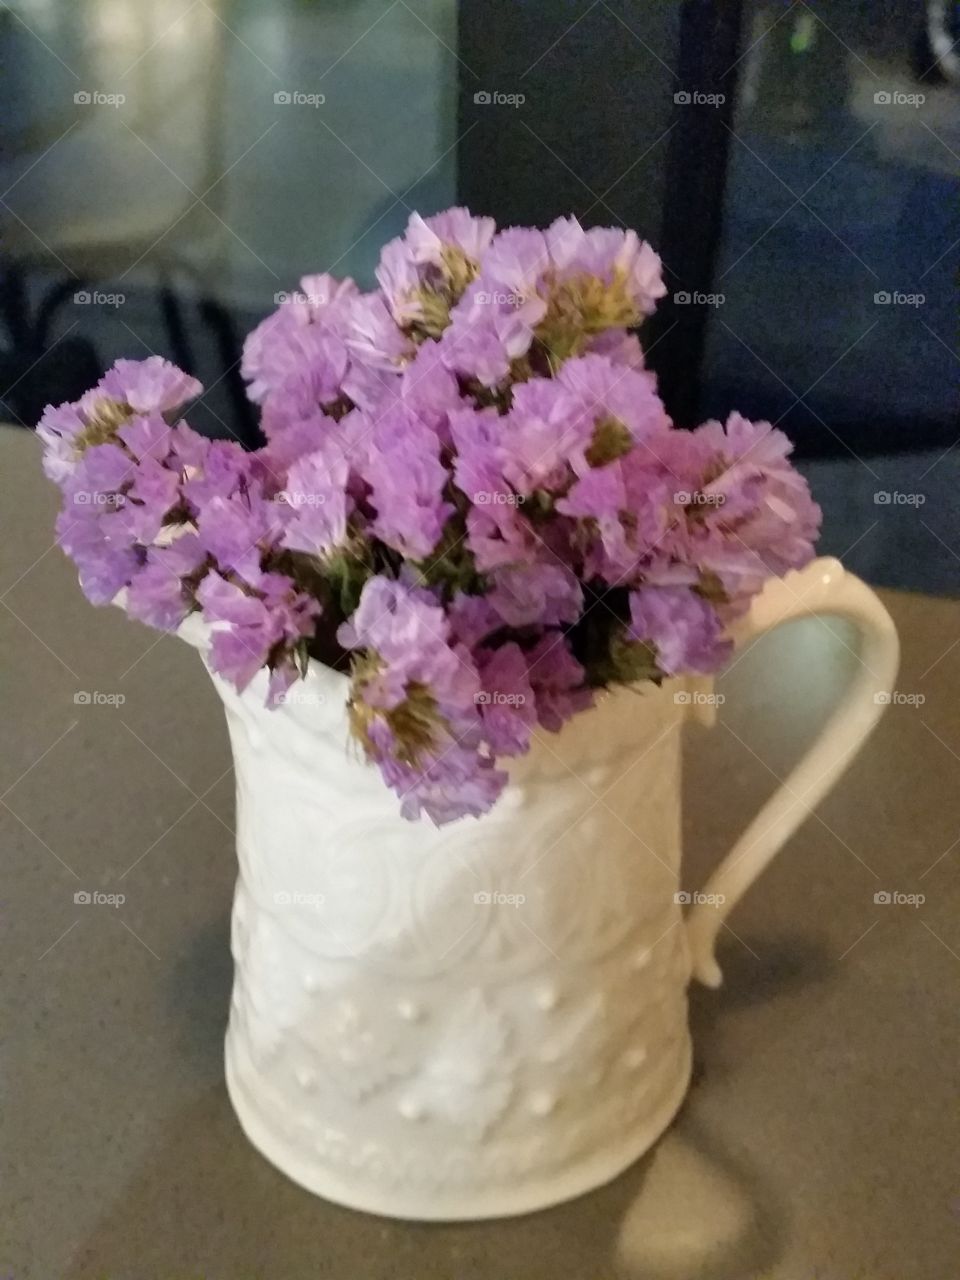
point(196, 159)
point(842, 240)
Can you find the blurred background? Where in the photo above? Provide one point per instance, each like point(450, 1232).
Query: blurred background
point(169, 167)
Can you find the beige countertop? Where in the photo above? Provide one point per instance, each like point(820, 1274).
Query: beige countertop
point(819, 1141)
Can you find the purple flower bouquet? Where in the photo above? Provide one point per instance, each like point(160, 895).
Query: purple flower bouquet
point(470, 497)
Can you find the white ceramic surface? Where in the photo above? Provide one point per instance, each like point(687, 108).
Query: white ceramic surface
point(489, 1018)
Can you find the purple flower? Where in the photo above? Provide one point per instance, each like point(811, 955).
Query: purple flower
point(618, 345)
point(322, 299)
point(610, 396)
point(425, 271)
point(157, 596)
point(316, 492)
point(558, 681)
point(536, 594)
point(494, 322)
point(741, 511)
point(409, 631)
point(431, 239)
point(407, 482)
point(430, 391)
point(546, 433)
point(682, 628)
point(507, 703)
point(498, 536)
point(476, 436)
point(310, 322)
point(256, 629)
point(182, 553)
point(221, 470)
point(497, 533)
point(610, 255)
point(475, 447)
point(241, 647)
point(622, 511)
point(153, 385)
point(516, 263)
point(398, 275)
point(472, 619)
point(102, 471)
point(106, 565)
point(414, 702)
point(149, 436)
point(130, 387)
point(452, 782)
point(373, 337)
point(489, 329)
point(760, 487)
point(237, 532)
point(188, 450)
point(309, 378)
point(119, 496)
point(153, 493)
point(599, 499)
point(59, 428)
point(300, 438)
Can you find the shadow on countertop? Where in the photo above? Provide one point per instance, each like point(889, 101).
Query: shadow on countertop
point(209, 1206)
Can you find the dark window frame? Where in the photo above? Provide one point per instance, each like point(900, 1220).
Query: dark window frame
point(507, 167)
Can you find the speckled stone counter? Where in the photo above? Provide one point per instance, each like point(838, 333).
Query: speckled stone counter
point(818, 1142)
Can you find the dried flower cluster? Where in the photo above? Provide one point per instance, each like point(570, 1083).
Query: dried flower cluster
point(470, 496)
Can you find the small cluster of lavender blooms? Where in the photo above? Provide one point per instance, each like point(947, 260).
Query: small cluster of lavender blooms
point(470, 493)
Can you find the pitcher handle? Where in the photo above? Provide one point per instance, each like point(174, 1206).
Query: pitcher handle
point(822, 588)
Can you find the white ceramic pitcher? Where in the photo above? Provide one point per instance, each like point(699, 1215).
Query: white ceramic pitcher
point(488, 1018)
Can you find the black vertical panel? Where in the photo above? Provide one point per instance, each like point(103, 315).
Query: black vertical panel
point(599, 133)
point(698, 153)
point(596, 99)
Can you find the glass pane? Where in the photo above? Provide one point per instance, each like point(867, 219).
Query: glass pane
point(842, 225)
point(175, 165)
